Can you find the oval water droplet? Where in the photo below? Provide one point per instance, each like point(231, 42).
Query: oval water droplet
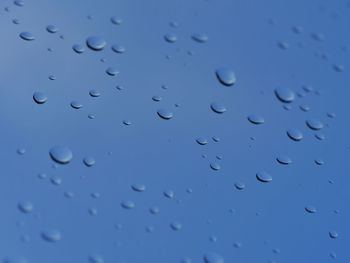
point(310, 209)
point(52, 29)
point(76, 104)
point(333, 234)
point(89, 161)
point(118, 48)
point(170, 38)
point(61, 154)
point(112, 71)
point(51, 235)
point(138, 187)
point(226, 76)
point(284, 160)
point(218, 107)
point(201, 141)
point(165, 114)
point(27, 36)
point(128, 204)
point(25, 207)
point(78, 48)
point(264, 177)
point(314, 124)
point(96, 43)
point(256, 119)
point(285, 94)
point(295, 134)
point(39, 97)
point(200, 37)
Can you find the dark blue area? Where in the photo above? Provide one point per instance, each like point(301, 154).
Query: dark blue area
point(176, 131)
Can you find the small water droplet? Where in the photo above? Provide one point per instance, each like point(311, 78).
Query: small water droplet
point(51, 236)
point(78, 48)
point(201, 141)
point(310, 209)
point(176, 226)
point(138, 187)
point(25, 207)
point(111, 71)
point(89, 161)
point(118, 48)
point(215, 166)
point(116, 21)
point(333, 234)
point(170, 38)
point(213, 257)
point(200, 37)
point(128, 204)
point(94, 93)
point(239, 185)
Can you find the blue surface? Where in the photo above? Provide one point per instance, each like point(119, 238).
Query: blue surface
point(168, 179)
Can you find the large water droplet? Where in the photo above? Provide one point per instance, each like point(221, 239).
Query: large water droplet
point(165, 114)
point(61, 154)
point(295, 134)
point(285, 94)
point(218, 107)
point(226, 76)
point(95, 43)
point(264, 177)
point(27, 36)
point(39, 97)
point(314, 124)
point(256, 119)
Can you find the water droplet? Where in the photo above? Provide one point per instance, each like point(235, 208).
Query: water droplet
point(51, 235)
point(76, 104)
point(118, 48)
point(89, 161)
point(19, 3)
point(21, 151)
point(25, 207)
point(56, 180)
point(95, 43)
point(39, 97)
point(215, 166)
point(239, 185)
point(176, 226)
point(94, 93)
point(314, 124)
point(256, 119)
point(201, 141)
point(319, 161)
point(213, 257)
point(156, 98)
point(128, 204)
point(138, 187)
point(284, 160)
point(78, 48)
point(169, 194)
point(27, 36)
point(165, 114)
point(52, 29)
point(170, 38)
point(200, 37)
point(295, 134)
point(264, 177)
point(285, 94)
point(283, 45)
point(333, 234)
point(218, 107)
point(154, 210)
point(112, 71)
point(116, 21)
point(95, 259)
point(310, 209)
point(226, 76)
point(61, 154)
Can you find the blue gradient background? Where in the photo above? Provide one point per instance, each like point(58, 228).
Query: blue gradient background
point(163, 155)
